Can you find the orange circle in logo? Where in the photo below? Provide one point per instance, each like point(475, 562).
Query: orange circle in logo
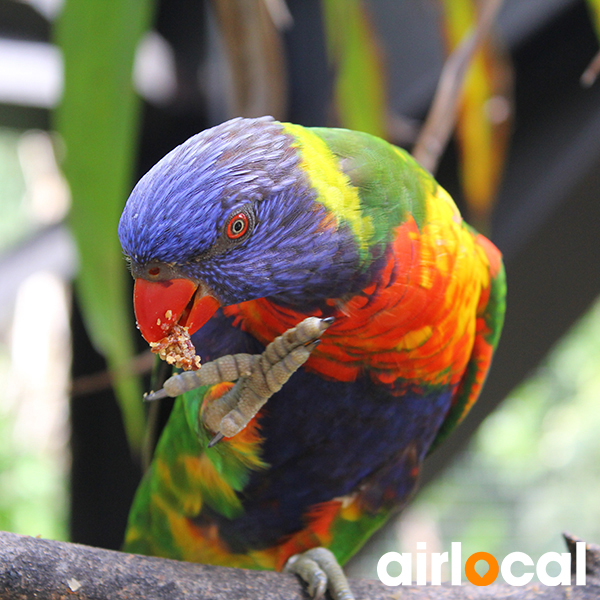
point(473, 576)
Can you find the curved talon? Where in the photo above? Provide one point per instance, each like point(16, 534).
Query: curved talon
point(320, 569)
point(312, 345)
point(215, 440)
point(158, 395)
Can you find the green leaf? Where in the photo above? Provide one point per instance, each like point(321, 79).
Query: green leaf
point(98, 121)
point(360, 94)
point(594, 8)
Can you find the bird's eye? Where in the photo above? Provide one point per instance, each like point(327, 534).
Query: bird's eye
point(237, 226)
point(154, 271)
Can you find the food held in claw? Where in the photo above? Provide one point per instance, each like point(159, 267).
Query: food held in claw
point(177, 349)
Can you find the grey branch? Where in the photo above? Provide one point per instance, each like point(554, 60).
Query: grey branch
point(50, 570)
point(438, 127)
point(591, 73)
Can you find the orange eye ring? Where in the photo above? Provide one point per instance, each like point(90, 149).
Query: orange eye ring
point(154, 271)
point(237, 226)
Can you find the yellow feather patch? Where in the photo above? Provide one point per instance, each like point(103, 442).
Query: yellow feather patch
point(132, 535)
point(203, 475)
point(247, 443)
point(350, 509)
point(414, 339)
point(332, 185)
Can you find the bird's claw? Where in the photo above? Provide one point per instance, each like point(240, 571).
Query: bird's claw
point(320, 570)
point(158, 395)
point(230, 413)
point(215, 440)
point(257, 377)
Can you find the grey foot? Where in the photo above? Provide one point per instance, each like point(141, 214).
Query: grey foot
point(321, 571)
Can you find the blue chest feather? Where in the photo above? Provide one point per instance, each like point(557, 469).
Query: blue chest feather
point(324, 439)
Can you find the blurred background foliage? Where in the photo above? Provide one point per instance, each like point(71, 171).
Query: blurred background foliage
point(132, 78)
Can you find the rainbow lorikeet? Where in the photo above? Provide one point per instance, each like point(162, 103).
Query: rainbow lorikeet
point(238, 235)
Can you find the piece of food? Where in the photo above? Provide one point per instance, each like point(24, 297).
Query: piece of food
point(177, 349)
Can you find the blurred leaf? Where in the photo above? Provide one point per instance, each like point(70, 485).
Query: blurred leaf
point(98, 121)
point(256, 58)
point(594, 7)
point(15, 223)
point(483, 119)
point(591, 73)
point(360, 95)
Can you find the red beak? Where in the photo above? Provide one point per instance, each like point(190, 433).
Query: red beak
point(159, 305)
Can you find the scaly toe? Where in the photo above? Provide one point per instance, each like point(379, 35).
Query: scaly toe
point(320, 570)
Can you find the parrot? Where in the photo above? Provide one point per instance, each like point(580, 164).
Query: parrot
point(258, 240)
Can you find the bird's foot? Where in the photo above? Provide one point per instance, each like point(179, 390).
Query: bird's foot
point(321, 571)
point(258, 377)
point(270, 370)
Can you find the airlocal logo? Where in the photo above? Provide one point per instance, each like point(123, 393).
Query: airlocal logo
point(438, 559)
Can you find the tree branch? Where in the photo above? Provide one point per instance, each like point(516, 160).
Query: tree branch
point(591, 73)
point(103, 380)
point(49, 570)
point(436, 131)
